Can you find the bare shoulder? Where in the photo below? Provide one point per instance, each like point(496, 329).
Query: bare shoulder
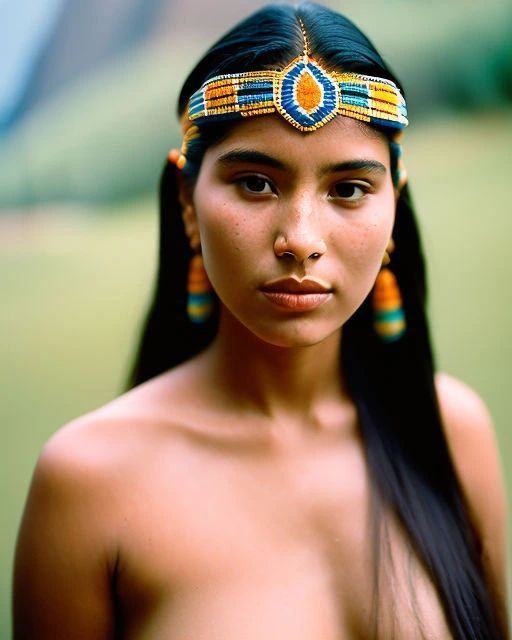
point(470, 433)
point(67, 531)
point(104, 444)
point(472, 440)
point(107, 443)
point(473, 445)
point(70, 537)
point(82, 471)
point(463, 410)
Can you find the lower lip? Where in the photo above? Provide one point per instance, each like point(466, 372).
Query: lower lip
point(297, 301)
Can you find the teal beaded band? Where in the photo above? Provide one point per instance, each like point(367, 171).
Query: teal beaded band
point(304, 93)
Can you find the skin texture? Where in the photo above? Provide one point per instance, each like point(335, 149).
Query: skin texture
point(304, 208)
point(228, 498)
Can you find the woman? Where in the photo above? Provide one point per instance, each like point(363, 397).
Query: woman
point(287, 463)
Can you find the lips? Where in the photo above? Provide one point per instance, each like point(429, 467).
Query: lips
point(296, 295)
point(293, 285)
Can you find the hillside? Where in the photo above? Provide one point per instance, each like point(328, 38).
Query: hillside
point(103, 133)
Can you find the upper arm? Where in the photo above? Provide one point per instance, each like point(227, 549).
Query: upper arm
point(61, 585)
point(471, 438)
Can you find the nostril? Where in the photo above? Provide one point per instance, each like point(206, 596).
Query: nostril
point(312, 256)
point(299, 248)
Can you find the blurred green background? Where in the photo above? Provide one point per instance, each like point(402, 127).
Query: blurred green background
point(78, 212)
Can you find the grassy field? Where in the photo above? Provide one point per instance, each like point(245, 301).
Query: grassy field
point(74, 288)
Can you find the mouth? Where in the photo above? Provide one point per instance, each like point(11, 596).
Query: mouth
point(294, 285)
point(297, 295)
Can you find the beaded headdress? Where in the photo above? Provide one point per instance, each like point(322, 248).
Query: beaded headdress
point(305, 94)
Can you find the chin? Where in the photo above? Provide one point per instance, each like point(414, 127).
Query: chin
point(295, 333)
point(286, 331)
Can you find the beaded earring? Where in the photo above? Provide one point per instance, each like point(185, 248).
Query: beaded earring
point(389, 317)
point(200, 292)
point(200, 298)
point(199, 289)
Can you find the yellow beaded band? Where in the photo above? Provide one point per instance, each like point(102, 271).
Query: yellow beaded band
point(304, 93)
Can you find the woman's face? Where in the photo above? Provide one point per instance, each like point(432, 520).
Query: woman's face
point(274, 203)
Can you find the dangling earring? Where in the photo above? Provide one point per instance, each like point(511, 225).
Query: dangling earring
point(200, 292)
point(389, 317)
point(200, 298)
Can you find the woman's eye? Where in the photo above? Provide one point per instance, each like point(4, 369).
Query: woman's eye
point(348, 191)
point(255, 184)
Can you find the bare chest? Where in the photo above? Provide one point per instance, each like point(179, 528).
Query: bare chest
point(239, 548)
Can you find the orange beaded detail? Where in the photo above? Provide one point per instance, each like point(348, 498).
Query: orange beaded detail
point(389, 317)
point(200, 292)
point(309, 94)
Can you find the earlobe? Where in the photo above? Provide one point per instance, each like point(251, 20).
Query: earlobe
point(191, 227)
point(184, 195)
point(188, 213)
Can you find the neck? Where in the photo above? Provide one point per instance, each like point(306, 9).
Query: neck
point(280, 383)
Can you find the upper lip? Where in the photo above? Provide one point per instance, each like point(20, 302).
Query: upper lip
point(294, 285)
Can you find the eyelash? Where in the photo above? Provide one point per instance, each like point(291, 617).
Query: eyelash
point(254, 176)
point(363, 187)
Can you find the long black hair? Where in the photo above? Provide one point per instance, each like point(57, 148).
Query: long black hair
point(391, 384)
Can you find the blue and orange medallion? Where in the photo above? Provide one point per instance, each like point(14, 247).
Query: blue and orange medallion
point(306, 95)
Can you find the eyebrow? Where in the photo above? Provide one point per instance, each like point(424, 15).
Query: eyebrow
point(372, 166)
point(242, 156)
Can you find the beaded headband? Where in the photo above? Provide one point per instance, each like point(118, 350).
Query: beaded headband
point(304, 93)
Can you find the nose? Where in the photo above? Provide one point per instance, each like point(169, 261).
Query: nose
point(301, 251)
point(299, 239)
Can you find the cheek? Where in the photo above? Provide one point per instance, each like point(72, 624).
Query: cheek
point(361, 243)
point(367, 242)
point(227, 236)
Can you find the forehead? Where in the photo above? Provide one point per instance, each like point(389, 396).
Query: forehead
point(341, 138)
